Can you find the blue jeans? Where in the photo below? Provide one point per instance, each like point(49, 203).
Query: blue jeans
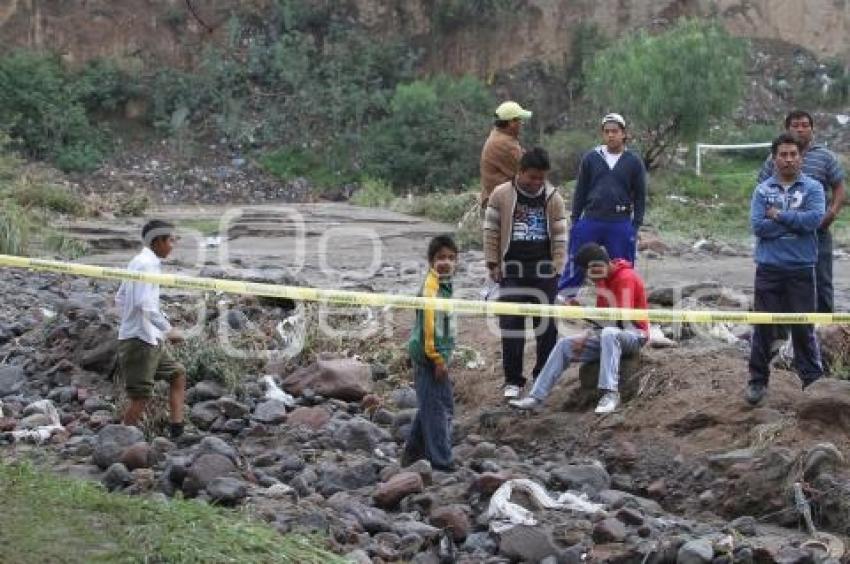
point(617, 236)
point(431, 431)
point(607, 347)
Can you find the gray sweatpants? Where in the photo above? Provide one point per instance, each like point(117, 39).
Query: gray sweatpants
point(607, 347)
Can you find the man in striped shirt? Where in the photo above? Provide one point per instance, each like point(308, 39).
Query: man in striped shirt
point(822, 165)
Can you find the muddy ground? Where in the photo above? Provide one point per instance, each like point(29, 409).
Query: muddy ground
point(349, 246)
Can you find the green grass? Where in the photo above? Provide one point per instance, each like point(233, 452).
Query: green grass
point(288, 164)
point(373, 194)
point(44, 518)
point(29, 200)
point(205, 359)
point(15, 226)
point(65, 246)
point(459, 209)
point(446, 207)
point(135, 205)
point(715, 205)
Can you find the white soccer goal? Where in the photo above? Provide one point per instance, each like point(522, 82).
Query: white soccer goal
point(704, 147)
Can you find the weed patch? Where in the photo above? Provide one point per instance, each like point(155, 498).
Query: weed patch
point(54, 519)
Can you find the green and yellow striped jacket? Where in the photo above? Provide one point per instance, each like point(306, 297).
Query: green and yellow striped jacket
point(433, 336)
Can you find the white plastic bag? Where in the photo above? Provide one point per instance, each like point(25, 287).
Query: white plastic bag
point(490, 291)
point(273, 391)
point(505, 515)
point(44, 432)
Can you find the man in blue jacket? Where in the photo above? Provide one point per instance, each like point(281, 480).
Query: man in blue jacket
point(608, 203)
point(785, 213)
point(821, 164)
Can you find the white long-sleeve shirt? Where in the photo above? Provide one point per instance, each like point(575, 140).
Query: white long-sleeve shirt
point(138, 303)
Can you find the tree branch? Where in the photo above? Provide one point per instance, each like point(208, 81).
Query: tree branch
point(198, 17)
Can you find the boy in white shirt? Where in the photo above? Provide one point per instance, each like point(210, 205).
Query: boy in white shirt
point(142, 356)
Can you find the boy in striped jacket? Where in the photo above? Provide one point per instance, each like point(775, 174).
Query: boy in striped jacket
point(431, 344)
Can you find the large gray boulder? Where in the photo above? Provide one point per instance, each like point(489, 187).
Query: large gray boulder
point(347, 379)
point(12, 379)
point(591, 478)
point(205, 469)
point(111, 443)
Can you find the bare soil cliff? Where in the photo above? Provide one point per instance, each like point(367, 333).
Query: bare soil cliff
point(144, 33)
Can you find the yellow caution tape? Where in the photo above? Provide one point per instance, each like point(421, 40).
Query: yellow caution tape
point(412, 302)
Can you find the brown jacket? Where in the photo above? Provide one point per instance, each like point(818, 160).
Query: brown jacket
point(499, 162)
point(499, 221)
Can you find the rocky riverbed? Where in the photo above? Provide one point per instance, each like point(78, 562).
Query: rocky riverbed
point(683, 473)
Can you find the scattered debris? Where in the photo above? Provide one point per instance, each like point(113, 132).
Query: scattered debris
point(504, 515)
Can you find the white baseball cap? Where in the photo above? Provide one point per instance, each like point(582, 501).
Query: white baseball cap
point(616, 118)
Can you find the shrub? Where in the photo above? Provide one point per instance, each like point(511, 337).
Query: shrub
point(134, 205)
point(65, 246)
point(373, 194)
point(433, 135)
point(566, 149)
point(687, 76)
point(33, 192)
point(79, 157)
point(205, 360)
point(173, 93)
point(27, 202)
point(470, 228)
point(289, 163)
point(103, 85)
point(43, 108)
point(439, 206)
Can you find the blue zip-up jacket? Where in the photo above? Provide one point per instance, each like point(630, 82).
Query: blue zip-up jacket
point(818, 162)
point(605, 193)
point(789, 241)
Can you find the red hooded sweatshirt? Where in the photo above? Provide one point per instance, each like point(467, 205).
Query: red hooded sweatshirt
point(626, 289)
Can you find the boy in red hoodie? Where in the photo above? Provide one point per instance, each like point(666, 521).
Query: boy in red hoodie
point(617, 285)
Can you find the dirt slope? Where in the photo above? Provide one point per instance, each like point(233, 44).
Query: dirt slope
point(167, 32)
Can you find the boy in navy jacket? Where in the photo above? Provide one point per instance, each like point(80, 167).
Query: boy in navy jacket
point(608, 203)
point(785, 213)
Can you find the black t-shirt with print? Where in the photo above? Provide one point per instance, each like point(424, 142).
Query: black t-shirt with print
point(529, 253)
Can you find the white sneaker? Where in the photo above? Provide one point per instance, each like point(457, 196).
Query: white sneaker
point(608, 403)
point(512, 391)
point(526, 403)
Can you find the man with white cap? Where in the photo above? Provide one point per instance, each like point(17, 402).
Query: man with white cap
point(608, 202)
point(502, 151)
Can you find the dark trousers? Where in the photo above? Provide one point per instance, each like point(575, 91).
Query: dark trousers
point(791, 291)
point(431, 431)
point(530, 290)
point(823, 277)
point(823, 269)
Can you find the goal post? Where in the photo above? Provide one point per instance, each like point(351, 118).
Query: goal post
point(706, 147)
